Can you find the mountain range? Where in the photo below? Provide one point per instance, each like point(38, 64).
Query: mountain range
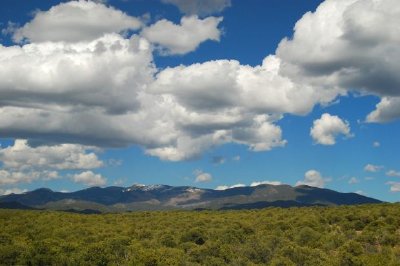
point(164, 197)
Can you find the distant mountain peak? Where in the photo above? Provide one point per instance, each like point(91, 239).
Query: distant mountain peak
point(165, 197)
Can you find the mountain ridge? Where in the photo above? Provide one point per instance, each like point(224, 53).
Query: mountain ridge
point(165, 197)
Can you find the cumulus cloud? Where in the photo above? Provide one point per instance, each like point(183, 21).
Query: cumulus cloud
point(350, 44)
point(325, 129)
point(202, 176)
point(373, 168)
point(394, 186)
point(257, 183)
point(105, 90)
point(312, 178)
point(393, 173)
point(89, 178)
point(104, 75)
point(199, 7)
point(185, 37)
point(75, 21)
point(387, 109)
point(21, 156)
point(15, 177)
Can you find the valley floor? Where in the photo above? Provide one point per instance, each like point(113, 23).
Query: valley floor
point(346, 235)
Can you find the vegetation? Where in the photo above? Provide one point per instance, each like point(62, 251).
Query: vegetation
point(347, 235)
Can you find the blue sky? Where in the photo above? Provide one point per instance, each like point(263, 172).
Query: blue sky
point(207, 94)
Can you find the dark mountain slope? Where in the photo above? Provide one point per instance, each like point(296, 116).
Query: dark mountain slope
point(163, 197)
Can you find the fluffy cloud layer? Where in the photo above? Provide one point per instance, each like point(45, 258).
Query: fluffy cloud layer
point(8, 177)
point(351, 44)
point(21, 156)
point(89, 178)
point(325, 129)
point(75, 21)
point(100, 88)
point(312, 178)
point(199, 7)
point(22, 163)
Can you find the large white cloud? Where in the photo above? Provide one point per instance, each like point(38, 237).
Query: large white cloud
point(106, 91)
point(21, 156)
point(76, 21)
point(105, 74)
point(312, 178)
point(186, 37)
point(221, 84)
point(349, 44)
point(199, 7)
point(325, 129)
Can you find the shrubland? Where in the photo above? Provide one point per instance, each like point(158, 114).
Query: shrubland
point(344, 235)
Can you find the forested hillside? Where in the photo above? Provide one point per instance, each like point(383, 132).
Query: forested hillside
point(346, 235)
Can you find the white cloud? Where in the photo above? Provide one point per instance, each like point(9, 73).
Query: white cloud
point(199, 7)
point(325, 130)
point(89, 178)
point(9, 191)
point(257, 183)
point(353, 180)
point(394, 186)
point(202, 176)
point(60, 157)
point(56, 79)
point(183, 38)
point(393, 173)
point(75, 21)
point(16, 177)
point(373, 168)
point(387, 109)
point(350, 44)
point(312, 178)
point(95, 92)
point(360, 192)
point(376, 144)
point(221, 187)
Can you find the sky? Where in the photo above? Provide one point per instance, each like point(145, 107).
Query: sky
point(205, 93)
